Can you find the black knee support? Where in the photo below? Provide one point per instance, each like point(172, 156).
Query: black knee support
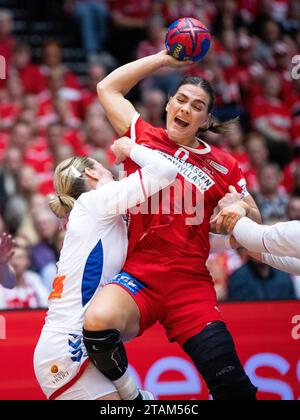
point(214, 354)
point(107, 352)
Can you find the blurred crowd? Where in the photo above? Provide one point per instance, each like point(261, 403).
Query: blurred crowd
point(48, 113)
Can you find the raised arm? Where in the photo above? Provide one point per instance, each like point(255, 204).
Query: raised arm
point(112, 90)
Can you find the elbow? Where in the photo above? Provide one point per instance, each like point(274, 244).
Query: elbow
point(100, 88)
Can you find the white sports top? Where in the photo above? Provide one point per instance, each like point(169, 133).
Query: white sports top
point(95, 245)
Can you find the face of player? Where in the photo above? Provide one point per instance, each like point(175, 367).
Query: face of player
point(187, 111)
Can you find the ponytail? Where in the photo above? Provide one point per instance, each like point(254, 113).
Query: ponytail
point(225, 127)
point(61, 205)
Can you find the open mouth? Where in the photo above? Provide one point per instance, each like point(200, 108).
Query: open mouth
point(181, 123)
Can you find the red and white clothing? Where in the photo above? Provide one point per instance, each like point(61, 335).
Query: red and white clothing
point(32, 294)
point(132, 8)
point(93, 252)
point(274, 114)
point(169, 245)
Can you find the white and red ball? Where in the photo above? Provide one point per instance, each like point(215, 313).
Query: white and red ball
point(188, 39)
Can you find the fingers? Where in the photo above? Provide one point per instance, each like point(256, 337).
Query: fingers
point(233, 190)
point(225, 221)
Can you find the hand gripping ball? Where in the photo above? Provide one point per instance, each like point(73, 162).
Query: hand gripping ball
point(187, 39)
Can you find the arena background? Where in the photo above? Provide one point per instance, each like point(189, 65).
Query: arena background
point(50, 65)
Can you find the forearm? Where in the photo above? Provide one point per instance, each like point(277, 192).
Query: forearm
point(153, 164)
point(157, 172)
point(253, 212)
point(249, 234)
point(288, 264)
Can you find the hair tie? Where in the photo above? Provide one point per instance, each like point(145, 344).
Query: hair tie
point(60, 200)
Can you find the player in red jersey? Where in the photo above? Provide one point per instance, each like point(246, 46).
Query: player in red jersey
point(165, 277)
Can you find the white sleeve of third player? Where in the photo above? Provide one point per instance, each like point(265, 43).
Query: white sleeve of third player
point(280, 239)
point(289, 264)
point(156, 172)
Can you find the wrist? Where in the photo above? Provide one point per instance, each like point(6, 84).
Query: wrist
point(246, 207)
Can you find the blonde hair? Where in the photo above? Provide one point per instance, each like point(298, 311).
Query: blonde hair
point(69, 184)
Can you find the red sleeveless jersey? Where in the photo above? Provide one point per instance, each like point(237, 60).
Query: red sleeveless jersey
point(176, 220)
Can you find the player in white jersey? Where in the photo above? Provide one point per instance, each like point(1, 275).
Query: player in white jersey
point(93, 252)
point(277, 245)
point(7, 276)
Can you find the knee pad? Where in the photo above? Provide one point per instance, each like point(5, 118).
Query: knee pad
point(107, 352)
point(214, 354)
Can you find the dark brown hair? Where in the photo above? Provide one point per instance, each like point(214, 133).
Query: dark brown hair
point(214, 126)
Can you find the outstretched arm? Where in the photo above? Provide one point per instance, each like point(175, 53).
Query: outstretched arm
point(287, 264)
point(281, 239)
point(112, 89)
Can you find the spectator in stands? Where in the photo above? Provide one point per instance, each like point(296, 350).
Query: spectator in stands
point(96, 71)
point(165, 79)
point(52, 55)
point(291, 23)
point(228, 17)
point(296, 179)
point(12, 105)
point(9, 175)
point(172, 10)
point(21, 135)
point(272, 119)
point(7, 40)
point(228, 53)
point(271, 199)
point(29, 74)
point(92, 16)
point(256, 281)
point(59, 136)
point(248, 72)
point(29, 292)
point(234, 144)
point(129, 20)
point(258, 154)
point(271, 33)
point(44, 254)
point(99, 134)
point(27, 231)
point(154, 101)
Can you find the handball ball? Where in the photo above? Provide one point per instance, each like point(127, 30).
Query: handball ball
point(187, 39)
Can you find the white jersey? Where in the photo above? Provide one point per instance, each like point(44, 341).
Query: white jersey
point(93, 252)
